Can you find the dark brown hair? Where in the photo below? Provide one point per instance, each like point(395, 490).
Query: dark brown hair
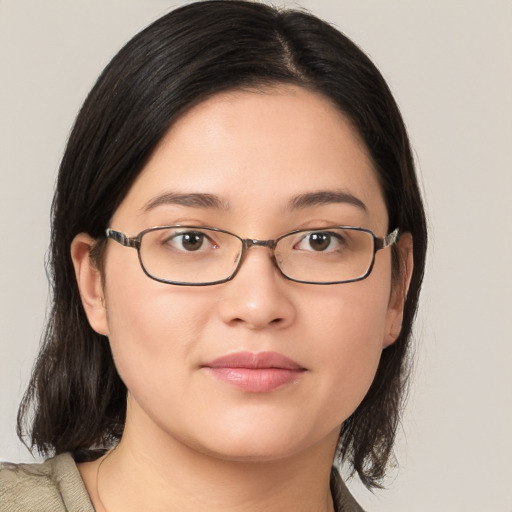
point(76, 401)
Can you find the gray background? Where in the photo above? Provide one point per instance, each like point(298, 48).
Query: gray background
point(449, 64)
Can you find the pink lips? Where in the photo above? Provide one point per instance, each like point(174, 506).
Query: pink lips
point(259, 372)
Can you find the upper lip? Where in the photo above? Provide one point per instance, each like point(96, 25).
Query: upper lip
point(253, 360)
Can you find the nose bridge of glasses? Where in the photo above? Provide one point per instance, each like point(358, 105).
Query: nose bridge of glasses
point(247, 243)
point(252, 242)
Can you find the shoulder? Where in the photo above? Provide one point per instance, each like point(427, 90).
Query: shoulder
point(54, 485)
point(343, 500)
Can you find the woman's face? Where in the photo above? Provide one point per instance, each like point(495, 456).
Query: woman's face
point(175, 346)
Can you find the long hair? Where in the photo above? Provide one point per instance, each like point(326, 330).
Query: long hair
point(76, 400)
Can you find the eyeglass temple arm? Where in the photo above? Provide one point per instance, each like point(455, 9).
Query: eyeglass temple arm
point(122, 239)
point(389, 239)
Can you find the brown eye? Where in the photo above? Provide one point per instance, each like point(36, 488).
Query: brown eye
point(189, 241)
point(192, 241)
point(319, 241)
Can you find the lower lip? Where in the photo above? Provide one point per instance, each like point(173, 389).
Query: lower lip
point(256, 380)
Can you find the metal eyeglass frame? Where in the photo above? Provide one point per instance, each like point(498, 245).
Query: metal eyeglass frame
point(135, 243)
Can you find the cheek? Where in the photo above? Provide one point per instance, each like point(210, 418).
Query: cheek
point(153, 329)
point(348, 337)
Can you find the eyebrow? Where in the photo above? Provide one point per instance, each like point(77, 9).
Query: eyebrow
point(194, 200)
point(211, 201)
point(325, 197)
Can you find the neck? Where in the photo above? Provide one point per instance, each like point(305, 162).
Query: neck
point(157, 473)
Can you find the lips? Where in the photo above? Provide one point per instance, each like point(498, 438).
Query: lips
point(259, 372)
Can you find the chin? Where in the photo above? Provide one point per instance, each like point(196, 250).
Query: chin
point(266, 444)
point(252, 453)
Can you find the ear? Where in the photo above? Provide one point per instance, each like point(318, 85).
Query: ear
point(400, 287)
point(89, 282)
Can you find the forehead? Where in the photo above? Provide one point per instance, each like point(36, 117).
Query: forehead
point(256, 150)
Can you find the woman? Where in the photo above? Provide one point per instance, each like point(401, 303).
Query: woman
point(238, 244)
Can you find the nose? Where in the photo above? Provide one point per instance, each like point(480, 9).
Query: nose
point(258, 296)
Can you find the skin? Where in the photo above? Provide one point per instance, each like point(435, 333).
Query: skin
point(186, 430)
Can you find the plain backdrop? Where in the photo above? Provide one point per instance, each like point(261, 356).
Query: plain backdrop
point(449, 64)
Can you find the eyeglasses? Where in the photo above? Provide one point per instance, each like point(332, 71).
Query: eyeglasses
point(200, 256)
